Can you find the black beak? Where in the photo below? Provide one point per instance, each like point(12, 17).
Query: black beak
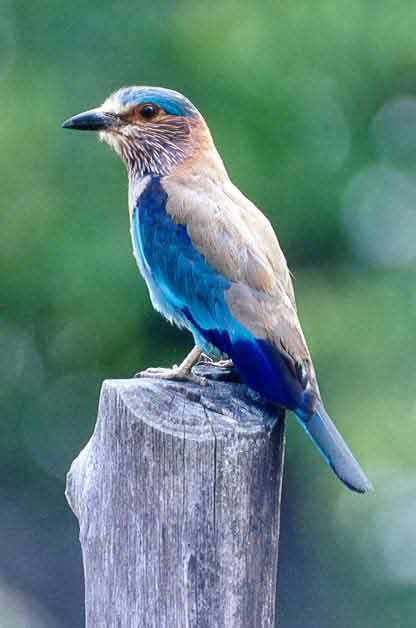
point(93, 120)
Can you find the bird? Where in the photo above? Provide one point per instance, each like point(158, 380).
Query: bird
point(211, 259)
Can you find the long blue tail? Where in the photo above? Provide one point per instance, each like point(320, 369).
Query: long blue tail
point(334, 449)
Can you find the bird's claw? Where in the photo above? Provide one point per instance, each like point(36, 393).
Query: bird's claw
point(174, 374)
point(223, 364)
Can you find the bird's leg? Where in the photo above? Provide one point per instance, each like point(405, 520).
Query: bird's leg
point(183, 372)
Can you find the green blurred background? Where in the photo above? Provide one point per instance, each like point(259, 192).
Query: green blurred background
point(313, 107)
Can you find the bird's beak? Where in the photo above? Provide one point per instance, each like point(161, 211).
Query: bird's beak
point(92, 120)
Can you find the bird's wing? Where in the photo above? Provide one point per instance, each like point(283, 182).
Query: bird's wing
point(185, 277)
point(232, 234)
point(220, 271)
point(238, 242)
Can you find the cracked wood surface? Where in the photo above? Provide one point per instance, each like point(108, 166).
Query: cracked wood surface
point(177, 494)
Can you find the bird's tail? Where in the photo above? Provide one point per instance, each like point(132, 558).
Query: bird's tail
point(334, 449)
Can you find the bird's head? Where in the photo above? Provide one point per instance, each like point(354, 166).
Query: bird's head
point(152, 129)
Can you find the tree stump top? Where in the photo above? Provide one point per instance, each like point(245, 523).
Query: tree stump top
point(222, 407)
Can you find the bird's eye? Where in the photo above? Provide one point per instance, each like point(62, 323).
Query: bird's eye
point(148, 111)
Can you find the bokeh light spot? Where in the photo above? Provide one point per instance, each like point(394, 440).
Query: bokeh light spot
point(393, 131)
point(379, 214)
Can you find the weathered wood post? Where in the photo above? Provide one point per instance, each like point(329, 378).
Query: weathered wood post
point(178, 497)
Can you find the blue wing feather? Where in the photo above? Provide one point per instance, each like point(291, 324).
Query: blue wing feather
point(187, 290)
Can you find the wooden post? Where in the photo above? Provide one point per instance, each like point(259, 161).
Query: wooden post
point(178, 498)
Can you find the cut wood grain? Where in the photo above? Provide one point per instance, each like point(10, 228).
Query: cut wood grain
point(178, 500)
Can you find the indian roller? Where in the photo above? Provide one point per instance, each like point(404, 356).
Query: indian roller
point(211, 259)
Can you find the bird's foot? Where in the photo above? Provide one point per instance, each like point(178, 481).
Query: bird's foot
point(176, 373)
point(222, 364)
